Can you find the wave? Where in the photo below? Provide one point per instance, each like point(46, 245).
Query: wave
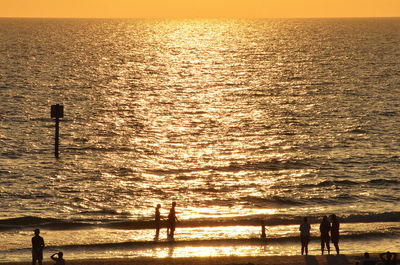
point(389, 113)
point(329, 183)
point(380, 182)
point(254, 220)
point(270, 165)
point(368, 235)
point(372, 217)
point(357, 131)
point(105, 211)
point(276, 201)
point(32, 221)
point(349, 183)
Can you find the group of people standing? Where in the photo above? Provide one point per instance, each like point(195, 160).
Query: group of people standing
point(329, 232)
point(171, 221)
point(38, 241)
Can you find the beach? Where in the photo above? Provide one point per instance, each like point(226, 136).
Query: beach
point(232, 260)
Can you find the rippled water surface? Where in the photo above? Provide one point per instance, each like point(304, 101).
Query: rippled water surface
point(236, 120)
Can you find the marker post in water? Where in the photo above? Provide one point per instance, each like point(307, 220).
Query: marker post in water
point(57, 111)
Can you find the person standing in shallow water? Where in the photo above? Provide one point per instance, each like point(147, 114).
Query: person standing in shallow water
point(157, 221)
point(263, 235)
point(324, 228)
point(172, 219)
point(335, 232)
point(37, 248)
point(305, 236)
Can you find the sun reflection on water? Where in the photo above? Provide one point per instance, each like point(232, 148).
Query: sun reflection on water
point(236, 120)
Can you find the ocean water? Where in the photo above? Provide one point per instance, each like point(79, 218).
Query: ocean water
point(236, 120)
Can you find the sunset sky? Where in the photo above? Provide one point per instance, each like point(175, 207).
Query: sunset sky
point(199, 8)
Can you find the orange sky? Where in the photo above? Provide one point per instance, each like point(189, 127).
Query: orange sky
point(199, 8)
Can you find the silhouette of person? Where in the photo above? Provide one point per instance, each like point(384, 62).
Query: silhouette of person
point(388, 258)
point(157, 221)
point(59, 259)
point(335, 232)
point(305, 235)
point(37, 248)
point(263, 235)
point(366, 260)
point(172, 219)
point(324, 228)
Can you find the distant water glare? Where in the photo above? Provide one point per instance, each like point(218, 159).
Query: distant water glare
point(235, 120)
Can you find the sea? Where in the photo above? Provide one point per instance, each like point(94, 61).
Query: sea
point(236, 120)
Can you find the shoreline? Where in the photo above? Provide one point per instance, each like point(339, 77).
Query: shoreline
point(230, 260)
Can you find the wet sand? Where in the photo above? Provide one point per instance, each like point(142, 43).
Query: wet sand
point(232, 260)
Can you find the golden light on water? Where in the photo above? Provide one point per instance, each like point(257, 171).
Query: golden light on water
point(237, 121)
point(200, 127)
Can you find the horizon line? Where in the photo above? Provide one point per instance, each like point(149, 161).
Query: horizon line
point(196, 18)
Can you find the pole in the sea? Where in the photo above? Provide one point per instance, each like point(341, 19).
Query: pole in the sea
point(57, 111)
